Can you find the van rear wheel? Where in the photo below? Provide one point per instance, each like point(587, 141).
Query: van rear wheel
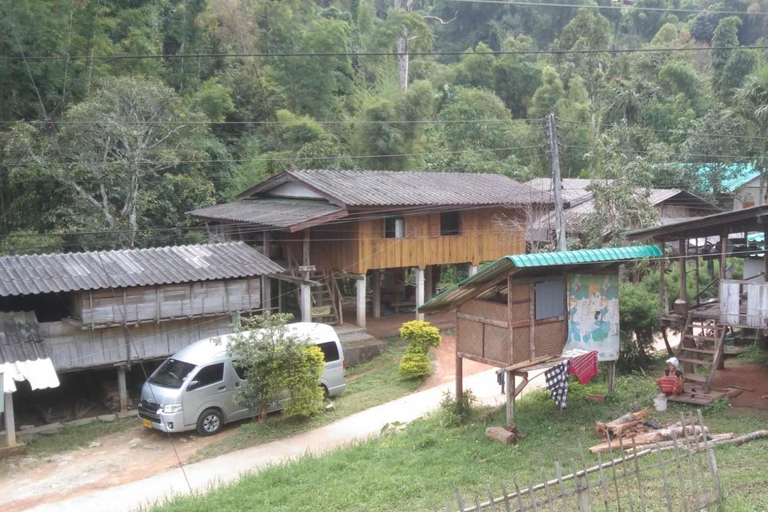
point(326, 394)
point(210, 422)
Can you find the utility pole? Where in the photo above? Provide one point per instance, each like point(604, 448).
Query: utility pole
point(554, 160)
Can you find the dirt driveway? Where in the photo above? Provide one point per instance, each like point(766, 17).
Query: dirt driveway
point(114, 459)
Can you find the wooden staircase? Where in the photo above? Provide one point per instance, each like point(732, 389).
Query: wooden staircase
point(326, 299)
point(701, 345)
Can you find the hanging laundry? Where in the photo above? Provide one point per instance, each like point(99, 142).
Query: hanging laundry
point(557, 383)
point(584, 367)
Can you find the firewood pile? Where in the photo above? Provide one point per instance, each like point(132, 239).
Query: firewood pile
point(634, 430)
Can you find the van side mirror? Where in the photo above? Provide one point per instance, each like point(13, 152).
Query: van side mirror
point(192, 385)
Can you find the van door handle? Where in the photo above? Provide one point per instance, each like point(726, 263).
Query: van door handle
point(222, 388)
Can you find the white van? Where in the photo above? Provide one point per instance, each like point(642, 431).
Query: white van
point(193, 389)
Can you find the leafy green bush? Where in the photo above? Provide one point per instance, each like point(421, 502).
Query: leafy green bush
point(276, 360)
point(420, 335)
point(639, 315)
point(414, 365)
point(453, 412)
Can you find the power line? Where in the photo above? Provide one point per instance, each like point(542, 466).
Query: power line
point(382, 54)
point(217, 123)
point(607, 7)
point(272, 159)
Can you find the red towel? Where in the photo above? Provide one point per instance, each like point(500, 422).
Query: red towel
point(584, 367)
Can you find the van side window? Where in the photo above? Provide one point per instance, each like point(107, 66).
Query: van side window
point(239, 369)
point(208, 375)
point(330, 351)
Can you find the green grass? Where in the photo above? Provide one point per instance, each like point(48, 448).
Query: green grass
point(752, 354)
point(369, 384)
point(419, 468)
point(72, 438)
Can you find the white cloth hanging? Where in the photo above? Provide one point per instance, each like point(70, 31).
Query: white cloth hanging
point(40, 374)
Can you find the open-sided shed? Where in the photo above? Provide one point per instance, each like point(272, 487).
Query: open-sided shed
point(525, 310)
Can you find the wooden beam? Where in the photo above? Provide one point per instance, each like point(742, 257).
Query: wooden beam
point(483, 320)
point(509, 385)
point(530, 362)
point(662, 284)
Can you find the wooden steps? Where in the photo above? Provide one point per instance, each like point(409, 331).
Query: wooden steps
point(701, 344)
point(695, 377)
point(326, 299)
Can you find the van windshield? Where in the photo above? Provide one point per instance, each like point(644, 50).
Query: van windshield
point(171, 374)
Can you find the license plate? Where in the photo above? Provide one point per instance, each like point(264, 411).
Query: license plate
point(146, 423)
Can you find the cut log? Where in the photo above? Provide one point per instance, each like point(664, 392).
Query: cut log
point(743, 439)
point(664, 445)
point(663, 434)
point(602, 429)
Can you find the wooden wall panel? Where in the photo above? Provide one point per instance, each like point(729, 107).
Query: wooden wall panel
point(73, 348)
point(101, 308)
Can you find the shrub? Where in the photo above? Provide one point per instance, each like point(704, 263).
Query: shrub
point(453, 412)
point(420, 335)
point(275, 361)
point(414, 365)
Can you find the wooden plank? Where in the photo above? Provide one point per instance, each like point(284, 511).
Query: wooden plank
point(483, 320)
point(532, 306)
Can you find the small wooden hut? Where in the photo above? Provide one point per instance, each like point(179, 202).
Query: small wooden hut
point(523, 311)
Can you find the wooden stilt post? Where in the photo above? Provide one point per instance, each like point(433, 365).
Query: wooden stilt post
point(683, 275)
point(459, 376)
point(509, 388)
point(662, 295)
point(611, 376)
point(723, 253)
point(122, 388)
point(428, 283)
point(376, 285)
point(698, 284)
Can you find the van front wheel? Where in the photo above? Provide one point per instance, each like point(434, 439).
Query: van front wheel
point(210, 422)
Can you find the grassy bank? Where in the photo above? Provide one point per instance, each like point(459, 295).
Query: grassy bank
point(419, 468)
point(368, 384)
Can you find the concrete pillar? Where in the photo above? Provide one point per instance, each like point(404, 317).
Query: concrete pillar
point(419, 292)
point(10, 423)
point(361, 301)
point(376, 285)
point(122, 388)
point(306, 303)
point(473, 269)
point(428, 283)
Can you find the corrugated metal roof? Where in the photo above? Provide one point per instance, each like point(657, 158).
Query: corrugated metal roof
point(278, 213)
point(50, 273)
point(528, 264)
point(395, 188)
point(731, 176)
point(576, 216)
point(20, 338)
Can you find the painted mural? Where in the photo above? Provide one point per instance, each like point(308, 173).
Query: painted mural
point(593, 314)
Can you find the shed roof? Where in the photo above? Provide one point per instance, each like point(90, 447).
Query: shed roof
point(270, 212)
point(20, 338)
point(736, 221)
point(50, 273)
point(548, 263)
point(403, 188)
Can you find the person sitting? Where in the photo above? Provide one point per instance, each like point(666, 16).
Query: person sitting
point(672, 382)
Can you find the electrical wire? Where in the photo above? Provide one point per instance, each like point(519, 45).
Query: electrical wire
point(608, 7)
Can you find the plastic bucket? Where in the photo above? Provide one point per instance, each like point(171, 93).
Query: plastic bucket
point(660, 403)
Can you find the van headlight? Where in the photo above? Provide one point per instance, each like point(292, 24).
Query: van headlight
point(171, 408)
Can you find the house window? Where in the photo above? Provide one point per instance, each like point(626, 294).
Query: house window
point(450, 224)
point(394, 227)
point(550, 299)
